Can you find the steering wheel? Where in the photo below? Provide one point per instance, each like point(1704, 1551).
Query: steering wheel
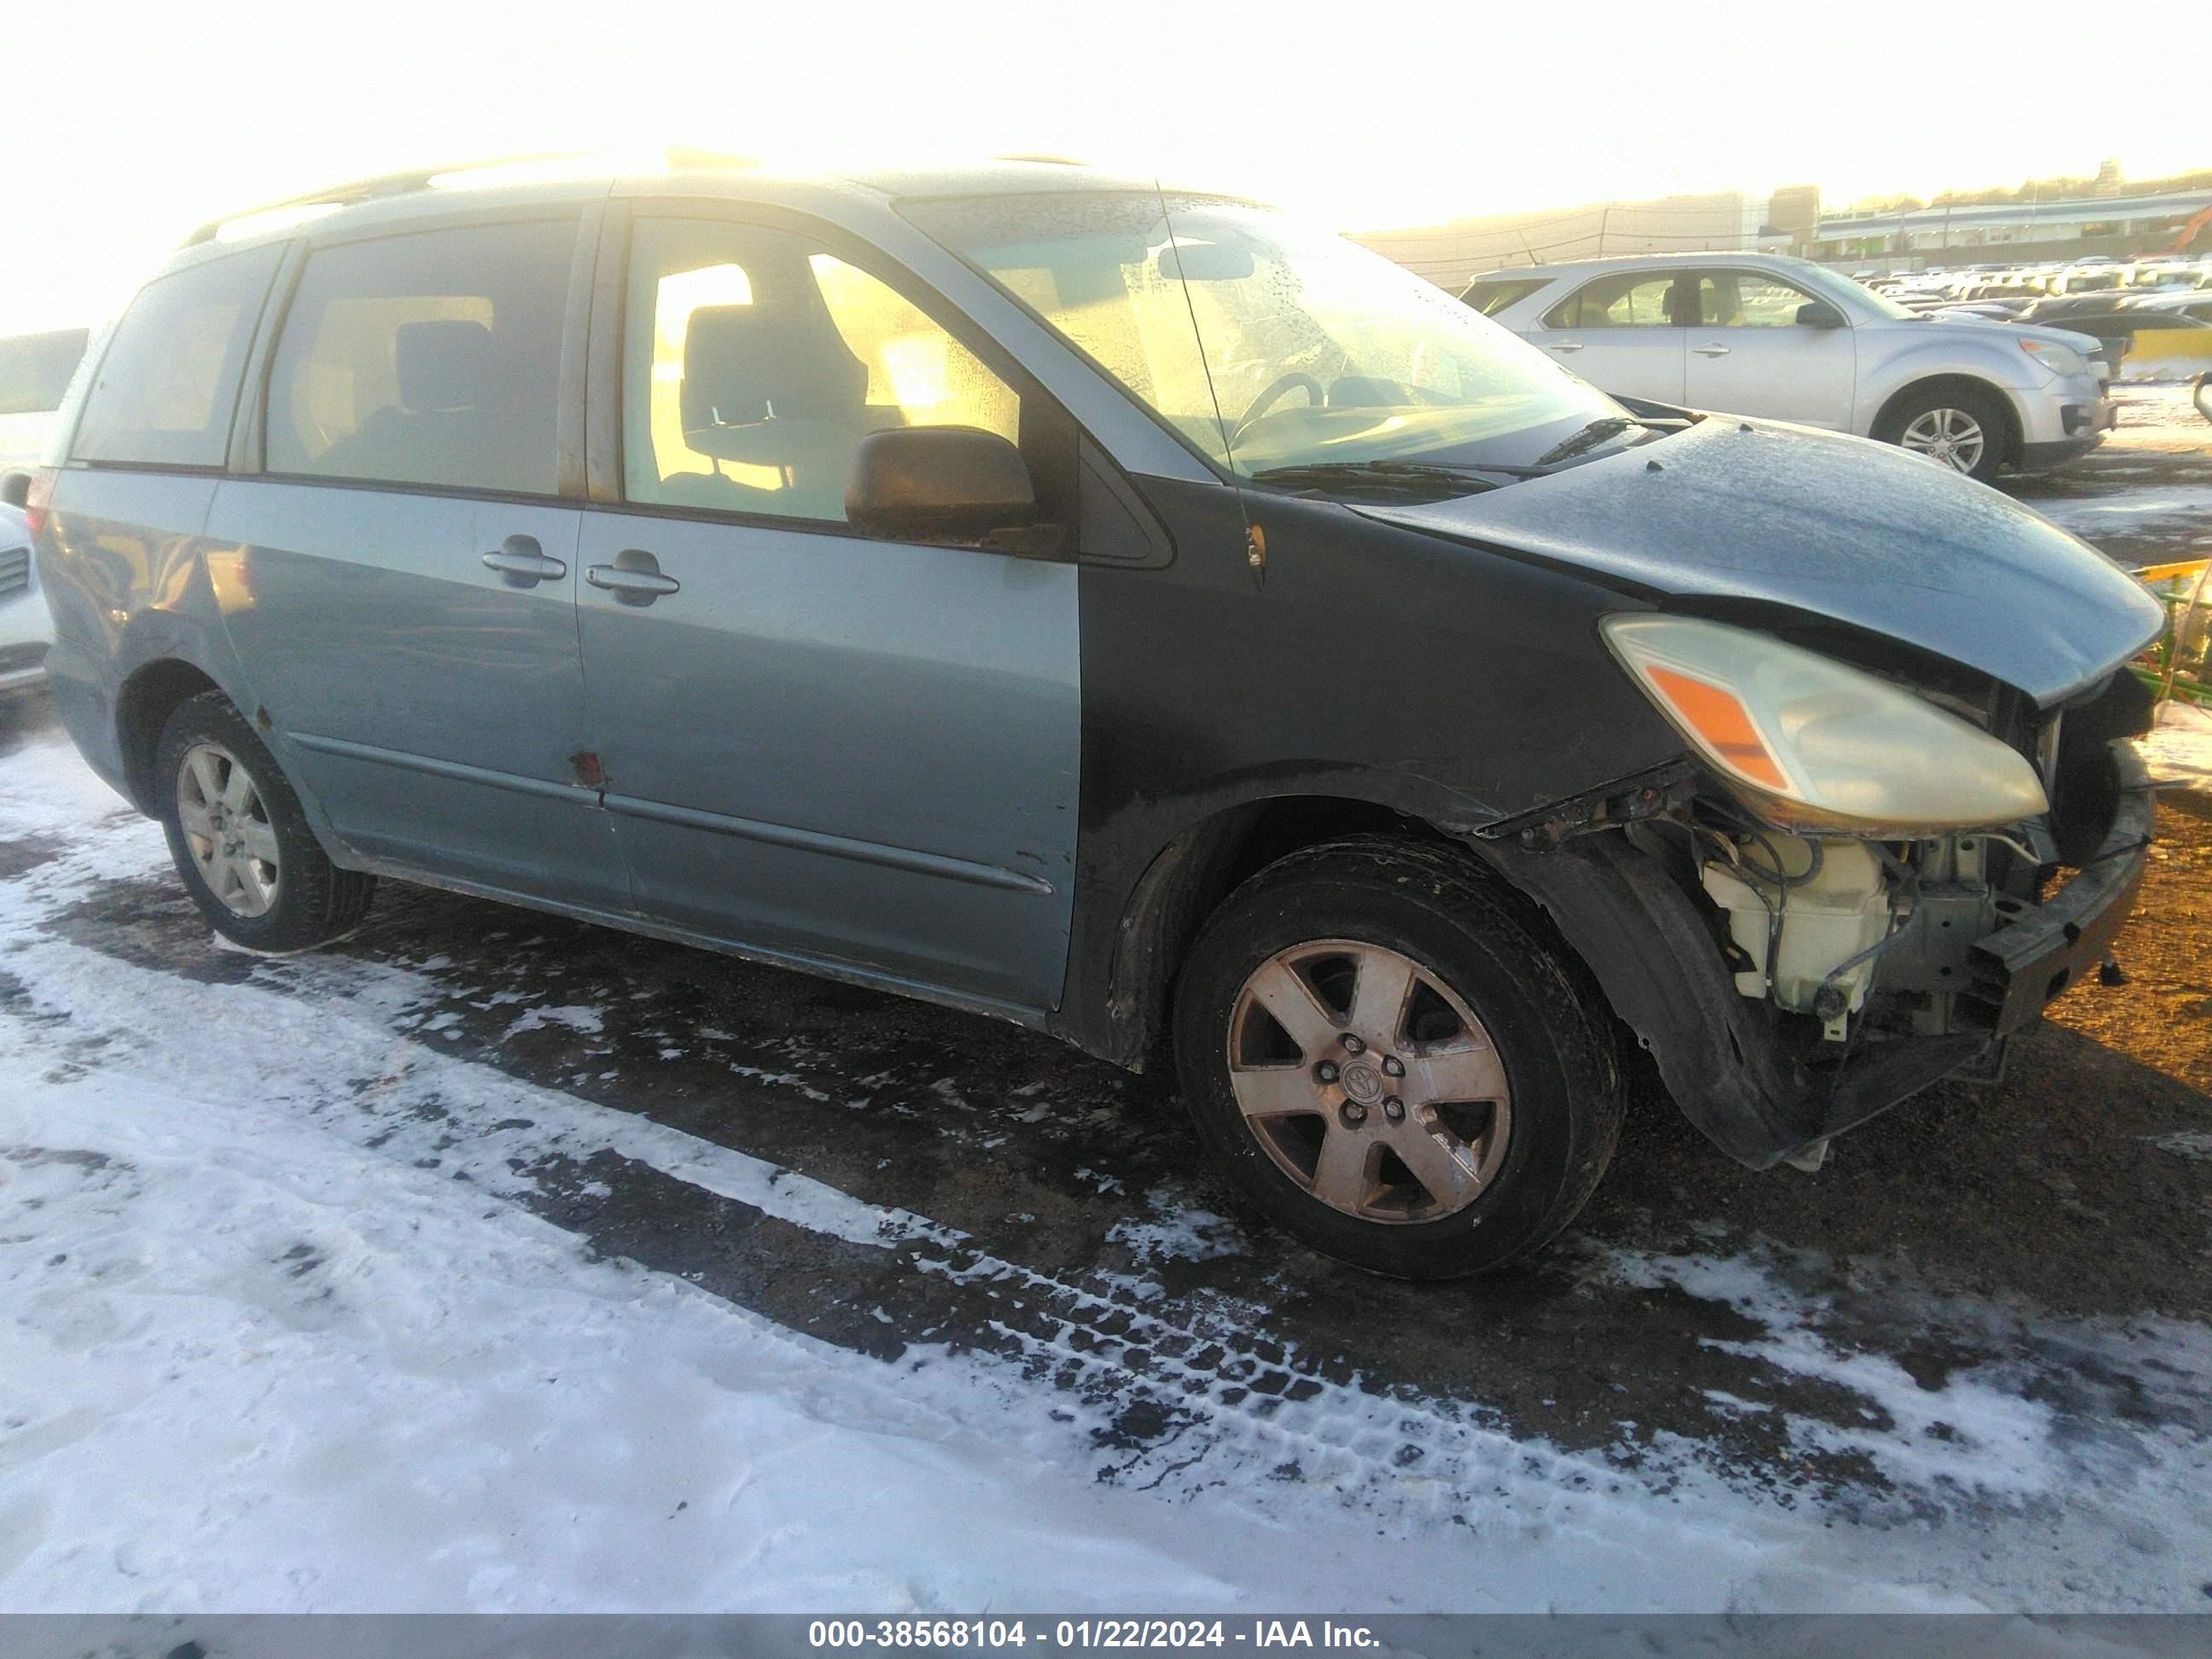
point(1278, 389)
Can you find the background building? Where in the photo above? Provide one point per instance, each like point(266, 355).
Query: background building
point(2035, 225)
point(1452, 254)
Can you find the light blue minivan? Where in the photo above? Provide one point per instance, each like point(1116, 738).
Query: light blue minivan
point(1120, 610)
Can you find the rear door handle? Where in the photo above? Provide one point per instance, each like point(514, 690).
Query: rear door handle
point(523, 564)
point(634, 578)
point(1565, 345)
point(1716, 350)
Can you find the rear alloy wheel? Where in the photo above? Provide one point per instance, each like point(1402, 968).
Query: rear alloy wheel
point(1389, 1060)
point(226, 826)
point(247, 852)
point(1961, 428)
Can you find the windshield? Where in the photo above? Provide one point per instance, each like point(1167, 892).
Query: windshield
point(1837, 286)
point(1264, 343)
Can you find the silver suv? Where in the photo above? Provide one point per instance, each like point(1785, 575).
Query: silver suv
point(1765, 334)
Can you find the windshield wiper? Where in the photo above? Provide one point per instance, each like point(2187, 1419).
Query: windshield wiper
point(1606, 426)
point(1399, 475)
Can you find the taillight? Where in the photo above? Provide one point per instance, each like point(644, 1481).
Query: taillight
point(41, 493)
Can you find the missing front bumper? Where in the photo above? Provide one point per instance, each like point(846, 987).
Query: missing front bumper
point(1654, 956)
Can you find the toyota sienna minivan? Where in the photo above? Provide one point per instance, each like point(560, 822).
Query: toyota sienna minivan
point(1122, 611)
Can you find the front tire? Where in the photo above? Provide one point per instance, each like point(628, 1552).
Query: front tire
point(1961, 428)
point(240, 841)
point(1387, 1060)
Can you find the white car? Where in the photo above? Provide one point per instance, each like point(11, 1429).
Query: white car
point(1765, 334)
point(34, 373)
point(26, 628)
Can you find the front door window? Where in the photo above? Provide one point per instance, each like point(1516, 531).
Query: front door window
point(757, 362)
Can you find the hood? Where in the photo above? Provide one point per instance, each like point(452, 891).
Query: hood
point(1836, 527)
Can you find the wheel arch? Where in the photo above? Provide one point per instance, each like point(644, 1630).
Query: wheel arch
point(1185, 881)
point(144, 704)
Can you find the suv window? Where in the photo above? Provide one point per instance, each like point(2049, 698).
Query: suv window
point(168, 384)
point(754, 362)
point(1492, 297)
point(1625, 299)
point(429, 358)
point(1748, 299)
point(35, 370)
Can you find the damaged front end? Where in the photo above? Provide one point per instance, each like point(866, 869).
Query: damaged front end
point(1804, 927)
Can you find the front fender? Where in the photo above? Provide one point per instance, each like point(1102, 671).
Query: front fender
point(1998, 363)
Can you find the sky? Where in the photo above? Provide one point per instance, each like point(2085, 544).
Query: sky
point(130, 122)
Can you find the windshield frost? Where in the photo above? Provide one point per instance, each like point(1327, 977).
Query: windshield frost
point(1318, 350)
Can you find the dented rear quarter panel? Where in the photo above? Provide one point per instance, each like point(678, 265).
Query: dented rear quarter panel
point(121, 559)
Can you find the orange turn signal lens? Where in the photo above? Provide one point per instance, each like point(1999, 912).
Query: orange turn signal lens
point(1723, 722)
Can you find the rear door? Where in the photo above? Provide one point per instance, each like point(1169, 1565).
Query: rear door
point(1748, 354)
point(1618, 332)
point(400, 579)
point(842, 749)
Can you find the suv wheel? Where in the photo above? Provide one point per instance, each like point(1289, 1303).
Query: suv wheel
point(1963, 428)
point(1388, 1062)
point(240, 840)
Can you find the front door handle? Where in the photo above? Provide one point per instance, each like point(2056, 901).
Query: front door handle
point(1565, 345)
point(523, 564)
point(634, 578)
point(1716, 350)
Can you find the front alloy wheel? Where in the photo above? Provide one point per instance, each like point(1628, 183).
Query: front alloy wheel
point(1952, 436)
point(1391, 1056)
point(1368, 1082)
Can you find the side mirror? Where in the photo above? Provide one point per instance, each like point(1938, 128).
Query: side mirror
point(937, 484)
point(15, 487)
point(1819, 314)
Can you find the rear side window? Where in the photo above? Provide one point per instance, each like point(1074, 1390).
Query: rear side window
point(1628, 299)
point(432, 358)
point(1491, 298)
point(35, 370)
point(168, 382)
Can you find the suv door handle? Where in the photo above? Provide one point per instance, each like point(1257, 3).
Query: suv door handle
point(634, 578)
point(523, 564)
point(1716, 350)
point(1565, 345)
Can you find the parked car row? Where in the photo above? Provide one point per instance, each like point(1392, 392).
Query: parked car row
point(2023, 284)
point(1134, 615)
point(1771, 336)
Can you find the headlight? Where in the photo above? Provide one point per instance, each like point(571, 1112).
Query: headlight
point(1811, 745)
point(2060, 360)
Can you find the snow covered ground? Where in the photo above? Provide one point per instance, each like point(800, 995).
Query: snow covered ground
point(287, 1328)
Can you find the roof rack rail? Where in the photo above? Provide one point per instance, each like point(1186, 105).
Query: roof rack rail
point(414, 180)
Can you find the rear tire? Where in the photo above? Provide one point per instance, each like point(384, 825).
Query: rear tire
point(1441, 1094)
point(1964, 429)
point(240, 841)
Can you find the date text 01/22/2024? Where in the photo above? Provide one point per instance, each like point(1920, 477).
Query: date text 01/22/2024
point(975, 1634)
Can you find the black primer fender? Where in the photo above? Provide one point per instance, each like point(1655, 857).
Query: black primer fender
point(1369, 664)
